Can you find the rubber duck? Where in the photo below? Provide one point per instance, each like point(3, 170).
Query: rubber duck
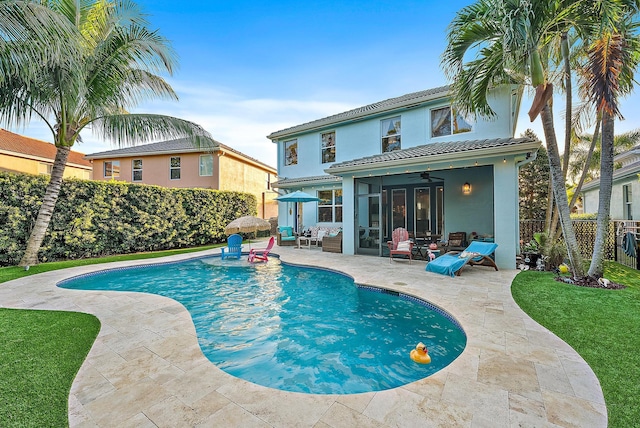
point(420, 354)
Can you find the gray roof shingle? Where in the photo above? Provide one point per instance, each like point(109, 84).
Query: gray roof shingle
point(287, 182)
point(403, 101)
point(432, 149)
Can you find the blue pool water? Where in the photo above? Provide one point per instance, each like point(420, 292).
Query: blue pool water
point(296, 328)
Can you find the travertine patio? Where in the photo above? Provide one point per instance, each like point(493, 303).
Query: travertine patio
point(146, 368)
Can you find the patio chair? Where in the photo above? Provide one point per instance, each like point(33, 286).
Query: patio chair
point(332, 244)
point(261, 255)
point(286, 236)
point(400, 244)
point(457, 241)
point(476, 254)
point(234, 247)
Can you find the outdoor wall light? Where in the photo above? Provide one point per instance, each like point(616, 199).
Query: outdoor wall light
point(466, 188)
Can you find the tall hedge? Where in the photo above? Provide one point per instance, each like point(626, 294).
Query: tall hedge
point(98, 218)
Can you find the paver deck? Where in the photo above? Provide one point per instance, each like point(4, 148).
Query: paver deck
point(146, 368)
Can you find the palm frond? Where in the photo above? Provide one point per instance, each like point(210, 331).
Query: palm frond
point(126, 130)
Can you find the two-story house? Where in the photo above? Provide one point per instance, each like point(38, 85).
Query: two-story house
point(411, 162)
point(26, 155)
point(625, 184)
point(178, 163)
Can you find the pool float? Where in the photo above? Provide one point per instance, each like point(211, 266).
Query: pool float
point(420, 354)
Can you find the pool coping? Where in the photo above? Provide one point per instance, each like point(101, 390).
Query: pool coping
point(146, 368)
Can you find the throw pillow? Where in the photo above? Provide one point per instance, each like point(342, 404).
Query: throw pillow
point(284, 233)
point(404, 246)
point(321, 234)
point(455, 242)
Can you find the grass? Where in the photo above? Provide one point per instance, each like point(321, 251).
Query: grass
point(41, 353)
point(603, 326)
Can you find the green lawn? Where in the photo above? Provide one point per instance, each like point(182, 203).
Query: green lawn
point(41, 352)
point(603, 326)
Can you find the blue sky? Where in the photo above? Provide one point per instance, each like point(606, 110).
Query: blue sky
point(248, 68)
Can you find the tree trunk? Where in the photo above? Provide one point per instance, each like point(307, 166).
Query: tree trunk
point(52, 192)
point(596, 269)
point(560, 193)
point(587, 162)
point(568, 107)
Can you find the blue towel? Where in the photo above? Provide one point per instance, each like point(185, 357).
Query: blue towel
point(446, 264)
point(629, 244)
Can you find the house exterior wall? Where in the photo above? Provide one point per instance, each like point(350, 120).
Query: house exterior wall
point(19, 164)
point(236, 175)
point(363, 138)
point(156, 171)
point(590, 199)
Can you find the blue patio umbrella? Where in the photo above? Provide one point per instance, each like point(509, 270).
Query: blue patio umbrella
point(297, 196)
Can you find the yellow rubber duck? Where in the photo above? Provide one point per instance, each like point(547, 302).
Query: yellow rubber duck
point(420, 354)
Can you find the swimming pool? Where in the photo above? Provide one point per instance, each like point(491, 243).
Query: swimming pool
point(296, 328)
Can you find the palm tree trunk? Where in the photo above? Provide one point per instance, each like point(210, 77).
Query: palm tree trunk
point(51, 194)
point(569, 105)
point(587, 162)
point(560, 193)
point(596, 269)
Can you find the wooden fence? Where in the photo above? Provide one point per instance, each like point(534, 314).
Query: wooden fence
point(586, 236)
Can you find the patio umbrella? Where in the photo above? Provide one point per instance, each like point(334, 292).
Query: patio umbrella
point(247, 224)
point(297, 196)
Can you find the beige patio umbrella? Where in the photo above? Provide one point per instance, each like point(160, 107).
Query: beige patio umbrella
point(247, 224)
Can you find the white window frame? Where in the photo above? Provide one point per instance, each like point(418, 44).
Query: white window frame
point(200, 165)
point(134, 170)
point(175, 168)
point(452, 120)
point(392, 135)
point(114, 173)
point(627, 196)
point(291, 152)
point(333, 205)
point(328, 145)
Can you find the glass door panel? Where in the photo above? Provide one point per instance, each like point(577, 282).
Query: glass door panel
point(439, 210)
point(368, 225)
point(422, 216)
point(398, 208)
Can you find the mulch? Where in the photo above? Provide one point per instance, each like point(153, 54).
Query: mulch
point(588, 281)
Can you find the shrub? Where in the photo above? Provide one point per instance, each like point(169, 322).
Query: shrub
point(98, 218)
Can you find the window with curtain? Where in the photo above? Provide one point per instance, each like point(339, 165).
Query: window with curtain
point(206, 165)
point(391, 134)
point(328, 147)
point(291, 152)
point(446, 121)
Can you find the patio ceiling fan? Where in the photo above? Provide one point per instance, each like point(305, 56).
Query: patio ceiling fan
point(430, 178)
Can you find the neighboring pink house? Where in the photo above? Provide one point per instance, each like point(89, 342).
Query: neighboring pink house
point(177, 163)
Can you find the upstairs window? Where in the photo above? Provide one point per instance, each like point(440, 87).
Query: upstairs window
point(206, 165)
point(45, 168)
point(328, 147)
point(291, 152)
point(136, 170)
point(446, 121)
point(390, 134)
point(174, 168)
point(111, 169)
point(330, 206)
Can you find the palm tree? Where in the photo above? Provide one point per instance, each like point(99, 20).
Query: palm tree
point(81, 64)
point(612, 60)
point(510, 40)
